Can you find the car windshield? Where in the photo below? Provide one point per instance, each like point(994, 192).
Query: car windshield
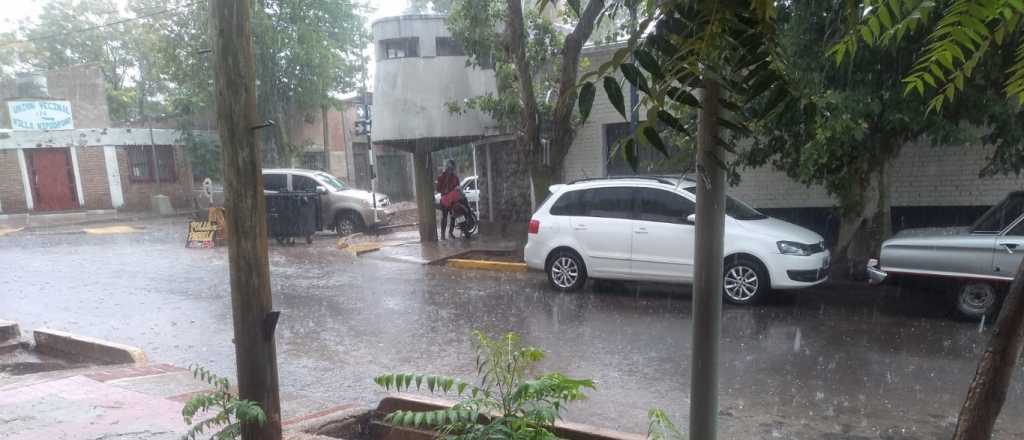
point(335, 183)
point(1000, 216)
point(735, 208)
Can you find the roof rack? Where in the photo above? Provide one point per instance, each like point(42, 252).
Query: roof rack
point(659, 179)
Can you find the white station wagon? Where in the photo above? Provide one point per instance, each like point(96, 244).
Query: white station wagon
point(641, 228)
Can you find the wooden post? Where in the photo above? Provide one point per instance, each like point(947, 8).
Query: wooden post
point(708, 265)
point(237, 123)
point(423, 175)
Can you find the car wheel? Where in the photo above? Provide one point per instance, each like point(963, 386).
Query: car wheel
point(976, 300)
point(346, 223)
point(566, 271)
point(745, 281)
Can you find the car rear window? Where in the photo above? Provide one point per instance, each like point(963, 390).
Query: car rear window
point(275, 182)
point(568, 204)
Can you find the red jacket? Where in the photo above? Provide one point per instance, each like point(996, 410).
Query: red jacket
point(447, 182)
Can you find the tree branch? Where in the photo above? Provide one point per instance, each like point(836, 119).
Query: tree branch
point(562, 114)
point(517, 46)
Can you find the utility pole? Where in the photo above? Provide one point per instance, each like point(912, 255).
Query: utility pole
point(364, 125)
point(251, 304)
point(707, 270)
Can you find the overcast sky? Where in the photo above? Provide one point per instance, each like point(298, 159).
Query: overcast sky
point(16, 10)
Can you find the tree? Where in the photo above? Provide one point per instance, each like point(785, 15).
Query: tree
point(306, 53)
point(729, 52)
point(536, 66)
point(436, 6)
point(971, 41)
point(72, 32)
point(862, 121)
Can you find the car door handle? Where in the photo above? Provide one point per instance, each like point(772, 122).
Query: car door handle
point(640, 230)
point(1010, 247)
point(579, 227)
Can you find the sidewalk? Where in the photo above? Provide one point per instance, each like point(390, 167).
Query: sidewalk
point(123, 402)
point(37, 222)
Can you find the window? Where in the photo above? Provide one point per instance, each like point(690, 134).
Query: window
point(400, 48)
point(332, 181)
point(568, 204)
point(608, 202)
point(448, 47)
point(735, 208)
point(662, 206)
point(142, 169)
point(470, 185)
point(1001, 215)
point(303, 183)
point(275, 182)
point(649, 160)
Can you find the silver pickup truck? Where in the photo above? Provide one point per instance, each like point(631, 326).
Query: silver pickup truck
point(981, 259)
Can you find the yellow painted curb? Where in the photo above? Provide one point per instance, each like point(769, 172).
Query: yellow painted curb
point(500, 266)
point(362, 248)
point(120, 229)
point(5, 231)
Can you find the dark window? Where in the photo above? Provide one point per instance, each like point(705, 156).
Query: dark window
point(1017, 230)
point(400, 48)
point(448, 47)
point(649, 160)
point(608, 202)
point(141, 167)
point(303, 183)
point(275, 182)
point(1001, 215)
point(662, 206)
point(735, 208)
point(568, 204)
point(470, 186)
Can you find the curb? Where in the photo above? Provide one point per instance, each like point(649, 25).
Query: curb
point(9, 330)
point(497, 266)
point(97, 350)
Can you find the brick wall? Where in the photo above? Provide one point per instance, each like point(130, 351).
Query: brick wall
point(12, 192)
point(84, 87)
point(137, 194)
point(93, 172)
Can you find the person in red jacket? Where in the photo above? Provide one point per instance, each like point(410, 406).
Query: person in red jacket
point(447, 182)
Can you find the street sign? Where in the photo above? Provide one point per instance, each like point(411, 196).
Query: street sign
point(40, 115)
point(200, 235)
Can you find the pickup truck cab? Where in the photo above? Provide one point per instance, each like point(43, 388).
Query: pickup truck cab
point(981, 259)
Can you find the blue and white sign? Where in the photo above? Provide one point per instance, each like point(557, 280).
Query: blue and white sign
point(40, 115)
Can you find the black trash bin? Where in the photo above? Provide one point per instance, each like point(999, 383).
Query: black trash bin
point(293, 214)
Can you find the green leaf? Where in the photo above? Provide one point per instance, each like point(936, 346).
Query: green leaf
point(635, 77)
point(683, 96)
point(654, 139)
point(630, 154)
point(614, 92)
point(575, 6)
point(671, 121)
point(649, 63)
point(586, 100)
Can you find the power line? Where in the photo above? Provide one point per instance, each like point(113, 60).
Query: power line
point(99, 26)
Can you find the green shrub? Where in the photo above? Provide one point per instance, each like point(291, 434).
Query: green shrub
point(229, 412)
point(508, 403)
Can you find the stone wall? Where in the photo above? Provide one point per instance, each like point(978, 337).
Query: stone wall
point(510, 205)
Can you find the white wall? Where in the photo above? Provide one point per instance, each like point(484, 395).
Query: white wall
point(410, 93)
point(920, 176)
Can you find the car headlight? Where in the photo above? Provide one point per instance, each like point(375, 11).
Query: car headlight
point(793, 248)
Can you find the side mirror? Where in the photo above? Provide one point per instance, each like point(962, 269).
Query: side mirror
point(321, 190)
point(691, 219)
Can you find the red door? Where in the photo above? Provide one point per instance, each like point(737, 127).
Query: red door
point(52, 184)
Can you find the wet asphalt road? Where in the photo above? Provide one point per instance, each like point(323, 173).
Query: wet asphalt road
point(838, 362)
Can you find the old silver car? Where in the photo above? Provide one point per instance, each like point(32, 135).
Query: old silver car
point(981, 259)
point(345, 209)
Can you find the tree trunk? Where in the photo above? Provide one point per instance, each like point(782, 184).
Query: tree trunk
point(251, 303)
point(861, 233)
point(987, 392)
point(708, 262)
point(423, 176)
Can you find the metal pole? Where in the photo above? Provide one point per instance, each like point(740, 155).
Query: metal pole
point(156, 163)
point(708, 263)
point(369, 144)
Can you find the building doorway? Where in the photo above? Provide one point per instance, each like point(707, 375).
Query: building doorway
point(52, 179)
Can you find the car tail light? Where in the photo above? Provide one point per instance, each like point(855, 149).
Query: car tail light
point(534, 226)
